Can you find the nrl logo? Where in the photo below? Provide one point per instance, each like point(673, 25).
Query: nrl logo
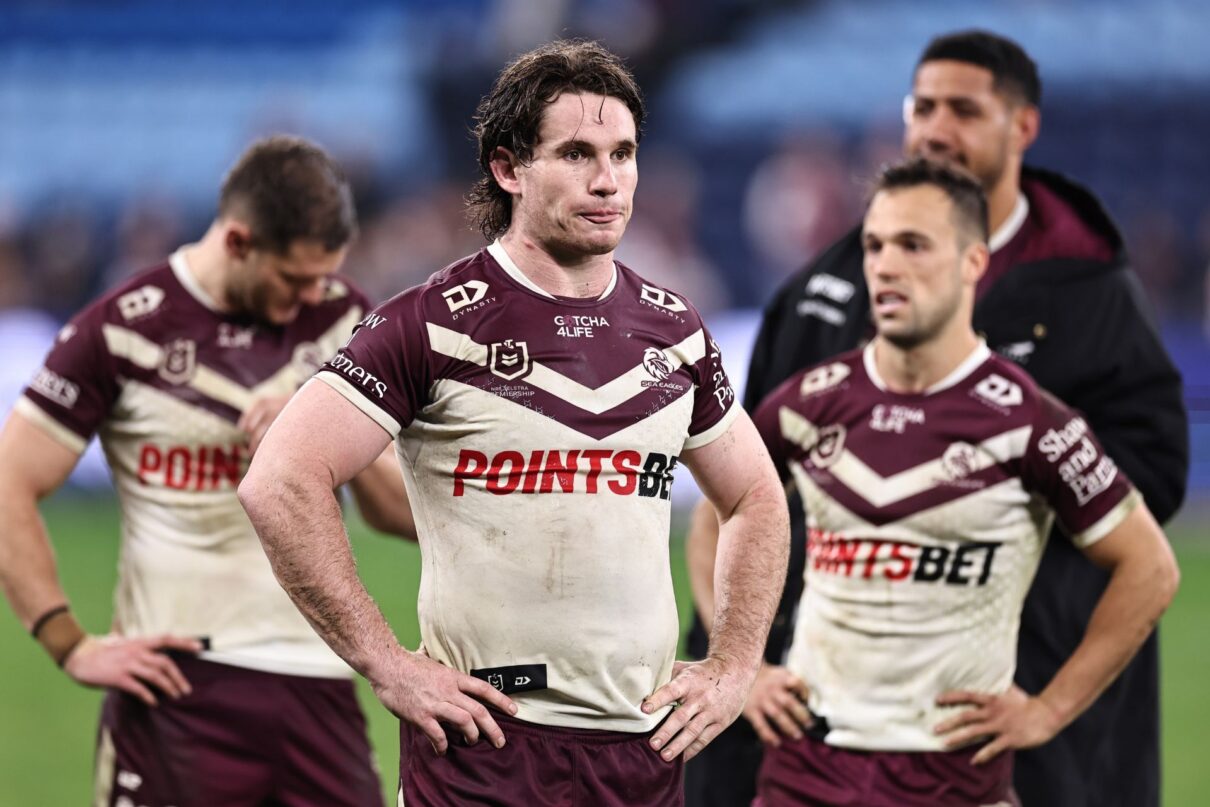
point(829, 446)
point(179, 362)
point(656, 363)
point(509, 359)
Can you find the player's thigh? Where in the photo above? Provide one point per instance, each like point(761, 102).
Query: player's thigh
point(325, 760)
point(173, 755)
point(531, 770)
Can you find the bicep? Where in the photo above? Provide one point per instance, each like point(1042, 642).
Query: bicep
point(322, 432)
point(1138, 538)
point(31, 460)
point(733, 466)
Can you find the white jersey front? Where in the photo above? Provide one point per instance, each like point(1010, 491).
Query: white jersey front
point(927, 515)
point(162, 378)
point(537, 437)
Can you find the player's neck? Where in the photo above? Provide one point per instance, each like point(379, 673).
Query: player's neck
point(1002, 199)
point(206, 260)
point(913, 370)
point(583, 276)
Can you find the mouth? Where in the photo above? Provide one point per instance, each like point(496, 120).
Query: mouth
point(888, 303)
point(601, 216)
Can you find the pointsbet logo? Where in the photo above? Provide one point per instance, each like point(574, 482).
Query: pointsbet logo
point(192, 467)
point(961, 564)
point(592, 471)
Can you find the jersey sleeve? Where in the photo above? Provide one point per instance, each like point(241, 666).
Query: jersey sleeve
point(714, 404)
point(1067, 466)
point(767, 418)
point(382, 369)
point(72, 393)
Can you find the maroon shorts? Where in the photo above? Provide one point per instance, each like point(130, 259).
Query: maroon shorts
point(242, 738)
point(811, 772)
point(539, 766)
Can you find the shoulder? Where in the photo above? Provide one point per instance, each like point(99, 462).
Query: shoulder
point(1005, 388)
point(137, 303)
point(820, 385)
point(669, 311)
point(834, 277)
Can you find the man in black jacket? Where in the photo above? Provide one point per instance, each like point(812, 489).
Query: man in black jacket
point(1059, 298)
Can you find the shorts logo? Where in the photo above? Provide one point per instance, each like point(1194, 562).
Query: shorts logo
point(999, 391)
point(509, 359)
point(656, 363)
point(179, 362)
point(469, 293)
point(140, 302)
point(829, 446)
point(661, 298)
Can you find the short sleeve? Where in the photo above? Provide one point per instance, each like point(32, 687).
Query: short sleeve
point(714, 404)
point(72, 393)
point(383, 368)
point(768, 423)
point(1068, 467)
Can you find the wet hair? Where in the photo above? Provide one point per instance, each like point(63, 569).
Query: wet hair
point(510, 115)
point(969, 203)
point(287, 189)
point(1015, 75)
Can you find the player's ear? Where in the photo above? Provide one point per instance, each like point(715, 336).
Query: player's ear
point(504, 166)
point(1027, 121)
point(974, 261)
point(237, 240)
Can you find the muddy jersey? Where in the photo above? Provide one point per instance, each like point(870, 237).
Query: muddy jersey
point(162, 378)
point(537, 437)
point(926, 518)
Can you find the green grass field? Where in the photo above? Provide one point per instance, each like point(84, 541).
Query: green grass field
point(47, 723)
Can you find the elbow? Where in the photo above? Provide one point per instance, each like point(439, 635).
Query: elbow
point(1168, 581)
point(253, 492)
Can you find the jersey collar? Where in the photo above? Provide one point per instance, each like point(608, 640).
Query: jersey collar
point(497, 251)
point(980, 354)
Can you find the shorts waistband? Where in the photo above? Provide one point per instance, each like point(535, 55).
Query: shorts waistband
point(590, 736)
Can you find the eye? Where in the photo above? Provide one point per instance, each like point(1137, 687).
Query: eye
point(574, 155)
point(622, 155)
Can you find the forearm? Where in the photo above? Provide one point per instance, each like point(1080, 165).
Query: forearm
point(299, 522)
point(701, 545)
point(27, 563)
point(1126, 614)
point(750, 571)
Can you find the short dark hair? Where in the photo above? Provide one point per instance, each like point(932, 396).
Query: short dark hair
point(969, 212)
point(510, 115)
point(288, 189)
point(1014, 73)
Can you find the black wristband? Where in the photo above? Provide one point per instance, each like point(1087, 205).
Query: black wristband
point(41, 621)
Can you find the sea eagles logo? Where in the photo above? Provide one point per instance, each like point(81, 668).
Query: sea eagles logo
point(307, 359)
point(656, 362)
point(509, 359)
point(179, 362)
point(829, 446)
point(958, 461)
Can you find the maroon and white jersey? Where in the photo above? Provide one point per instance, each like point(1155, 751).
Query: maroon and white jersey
point(537, 437)
point(927, 515)
point(162, 377)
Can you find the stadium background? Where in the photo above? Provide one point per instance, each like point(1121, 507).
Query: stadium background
point(117, 120)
